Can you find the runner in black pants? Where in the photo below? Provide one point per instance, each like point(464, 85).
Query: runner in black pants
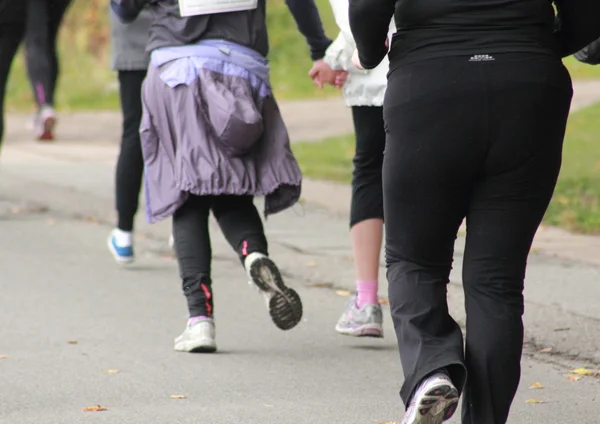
point(12, 28)
point(130, 59)
point(475, 111)
point(43, 24)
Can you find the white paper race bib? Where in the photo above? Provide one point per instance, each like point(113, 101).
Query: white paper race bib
point(207, 7)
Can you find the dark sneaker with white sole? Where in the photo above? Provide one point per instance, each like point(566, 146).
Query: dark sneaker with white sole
point(284, 304)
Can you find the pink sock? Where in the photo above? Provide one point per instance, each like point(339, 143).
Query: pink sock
point(194, 320)
point(367, 293)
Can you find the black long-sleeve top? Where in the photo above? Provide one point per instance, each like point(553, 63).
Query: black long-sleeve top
point(247, 28)
point(435, 28)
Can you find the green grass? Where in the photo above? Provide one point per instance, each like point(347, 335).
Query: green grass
point(86, 81)
point(330, 159)
point(576, 202)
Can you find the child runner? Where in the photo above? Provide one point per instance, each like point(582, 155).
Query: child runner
point(363, 92)
point(212, 139)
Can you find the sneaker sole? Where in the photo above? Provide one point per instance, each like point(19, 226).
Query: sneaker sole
point(369, 330)
point(285, 305)
point(437, 405)
point(47, 130)
point(197, 347)
point(119, 259)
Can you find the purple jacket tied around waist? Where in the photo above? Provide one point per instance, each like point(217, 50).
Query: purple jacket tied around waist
point(211, 126)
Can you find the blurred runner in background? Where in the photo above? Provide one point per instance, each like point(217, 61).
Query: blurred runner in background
point(43, 24)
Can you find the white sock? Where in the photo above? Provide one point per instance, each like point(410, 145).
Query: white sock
point(123, 238)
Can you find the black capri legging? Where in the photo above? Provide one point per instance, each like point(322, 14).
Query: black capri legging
point(367, 193)
point(481, 140)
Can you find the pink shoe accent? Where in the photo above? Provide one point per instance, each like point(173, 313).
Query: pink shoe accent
point(194, 320)
point(245, 248)
point(366, 293)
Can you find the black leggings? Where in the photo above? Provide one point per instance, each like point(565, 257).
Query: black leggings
point(130, 165)
point(481, 140)
point(240, 223)
point(367, 195)
point(43, 24)
point(10, 38)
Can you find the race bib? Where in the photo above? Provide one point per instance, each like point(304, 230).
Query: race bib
point(207, 7)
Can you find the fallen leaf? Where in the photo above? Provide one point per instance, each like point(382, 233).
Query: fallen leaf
point(311, 264)
point(586, 372)
point(350, 258)
point(562, 329)
point(536, 386)
point(318, 284)
point(534, 401)
point(384, 302)
point(112, 371)
point(178, 396)
point(3, 356)
point(96, 408)
point(574, 377)
point(16, 210)
point(72, 342)
point(388, 422)
point(545, 350)
point(343, 292)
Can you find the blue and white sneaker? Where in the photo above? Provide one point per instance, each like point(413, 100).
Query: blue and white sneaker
point(120, 244)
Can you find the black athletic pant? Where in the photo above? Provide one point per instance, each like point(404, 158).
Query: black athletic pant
point(11, 35)
point(130, 165)
point(43, 24)
point(481, 140)
point(367, 195)
point(241, 224)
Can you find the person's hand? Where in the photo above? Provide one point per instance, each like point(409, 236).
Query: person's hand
point(321, 73)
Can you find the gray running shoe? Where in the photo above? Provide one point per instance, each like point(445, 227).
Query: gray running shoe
point(361, 322)
point(434, 401)
point(284, 304)
point(197, 337)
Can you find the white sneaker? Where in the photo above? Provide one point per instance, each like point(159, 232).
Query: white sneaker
point(284, 304)
point(434, 402)
point(198, 337)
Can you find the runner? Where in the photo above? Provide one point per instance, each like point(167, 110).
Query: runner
point(130, 59)
point(43, 24)
point(212, 139)
point(363, 92)
point(475, 111)
point(13, 15)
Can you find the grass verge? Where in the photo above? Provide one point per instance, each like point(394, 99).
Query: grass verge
point(87, 82)
point(576, 202)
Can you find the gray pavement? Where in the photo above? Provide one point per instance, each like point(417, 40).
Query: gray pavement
point(59, 284)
